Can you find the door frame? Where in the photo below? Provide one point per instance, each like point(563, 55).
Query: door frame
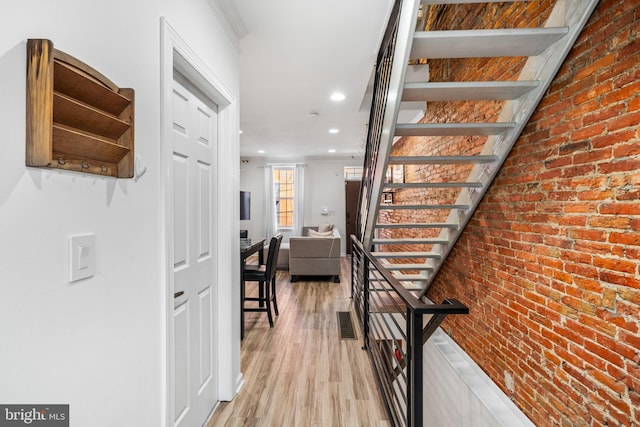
point(176, 53)
point(346, 211)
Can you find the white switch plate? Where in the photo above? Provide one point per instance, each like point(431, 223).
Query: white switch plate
point(82, 256)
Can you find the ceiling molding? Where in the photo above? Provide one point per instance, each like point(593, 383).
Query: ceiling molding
point(230, 18)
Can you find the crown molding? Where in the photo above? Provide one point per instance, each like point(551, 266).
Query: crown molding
point(230, 18)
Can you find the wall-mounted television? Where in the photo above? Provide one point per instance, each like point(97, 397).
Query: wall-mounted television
point(245, 205)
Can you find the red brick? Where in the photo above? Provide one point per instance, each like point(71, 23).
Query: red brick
point(621, 94)
point(624, 320)
point(604, 353)
point(632, 340)
point(626, 150)
point(620, 279)
point(625, 238)
point(579, 170)
point(613, 138)
point(580, 207)
point(620, 209)
point(601, 116)
point(609, 382)
point(609, 221)
point(595, 195)
point(597, 65)
point(624, 121)
point(615, 264)
point(587, 234)
point(592, 156)
point(631, 295)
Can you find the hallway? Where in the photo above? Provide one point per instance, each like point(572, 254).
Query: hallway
point(300, 373)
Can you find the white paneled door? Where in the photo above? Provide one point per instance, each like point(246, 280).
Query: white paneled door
point(194, 152)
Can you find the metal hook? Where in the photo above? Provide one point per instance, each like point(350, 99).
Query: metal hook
point(85, 165)
point(103, 168)
point(61, 161)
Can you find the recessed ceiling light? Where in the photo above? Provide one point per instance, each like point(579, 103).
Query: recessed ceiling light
point(240, 131)
point(337, 96)
point(333, 150)
point(261, 151)
point(334, 130)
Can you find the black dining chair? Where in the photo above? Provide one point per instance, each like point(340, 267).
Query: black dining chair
point(265, 274)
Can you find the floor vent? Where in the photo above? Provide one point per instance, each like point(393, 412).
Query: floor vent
point(345, 326)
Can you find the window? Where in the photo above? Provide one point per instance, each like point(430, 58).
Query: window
point(283, 179)
point(353, 173)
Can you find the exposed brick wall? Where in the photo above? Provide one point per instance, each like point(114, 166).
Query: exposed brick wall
point(550, 262)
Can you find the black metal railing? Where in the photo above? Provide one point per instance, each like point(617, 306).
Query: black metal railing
point(395, 325)
point(378, 104)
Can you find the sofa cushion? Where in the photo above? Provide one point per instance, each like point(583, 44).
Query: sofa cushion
point(313, 233)
point(322, 228)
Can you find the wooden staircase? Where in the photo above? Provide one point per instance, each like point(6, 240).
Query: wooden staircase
point(400, 246)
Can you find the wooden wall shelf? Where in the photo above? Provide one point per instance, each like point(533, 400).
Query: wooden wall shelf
point(77, 119)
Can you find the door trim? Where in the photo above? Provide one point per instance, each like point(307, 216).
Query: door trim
point(176, 53)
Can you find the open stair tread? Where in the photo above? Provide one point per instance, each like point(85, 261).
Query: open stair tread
point(419, 207)
point(410, 285)
point(410, 241)
point(418, 225)
point(485, 43)
point(432, 2)
point(390, 266)
point(409, 277)
point(452, 129)
point(406, 254)
point(440, 160)
point(466, 91)
point(434, 185)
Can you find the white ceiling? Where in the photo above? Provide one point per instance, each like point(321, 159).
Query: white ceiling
point(294, 55)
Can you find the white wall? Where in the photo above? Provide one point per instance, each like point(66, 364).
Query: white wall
point(458, 393)
point(97, 344)
point(324, 187)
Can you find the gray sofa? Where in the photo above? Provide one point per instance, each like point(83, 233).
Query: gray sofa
point(315, 256)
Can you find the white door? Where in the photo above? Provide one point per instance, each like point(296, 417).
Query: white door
point(194, 152)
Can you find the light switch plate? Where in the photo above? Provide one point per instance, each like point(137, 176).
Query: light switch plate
point(82, 256)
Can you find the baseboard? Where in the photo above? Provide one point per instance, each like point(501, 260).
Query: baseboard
point(239, 384)
point(458, 392)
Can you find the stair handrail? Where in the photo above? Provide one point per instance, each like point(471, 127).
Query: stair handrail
point(378, 102)
point(399, 375)
point(391, 67)
point(448, 306)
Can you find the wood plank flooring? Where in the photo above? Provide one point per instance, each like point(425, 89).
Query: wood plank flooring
point(300, 373)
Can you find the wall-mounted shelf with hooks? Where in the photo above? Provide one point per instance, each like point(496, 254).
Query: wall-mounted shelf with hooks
point(77, 119)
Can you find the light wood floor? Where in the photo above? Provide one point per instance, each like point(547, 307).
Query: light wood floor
point(300, 373)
